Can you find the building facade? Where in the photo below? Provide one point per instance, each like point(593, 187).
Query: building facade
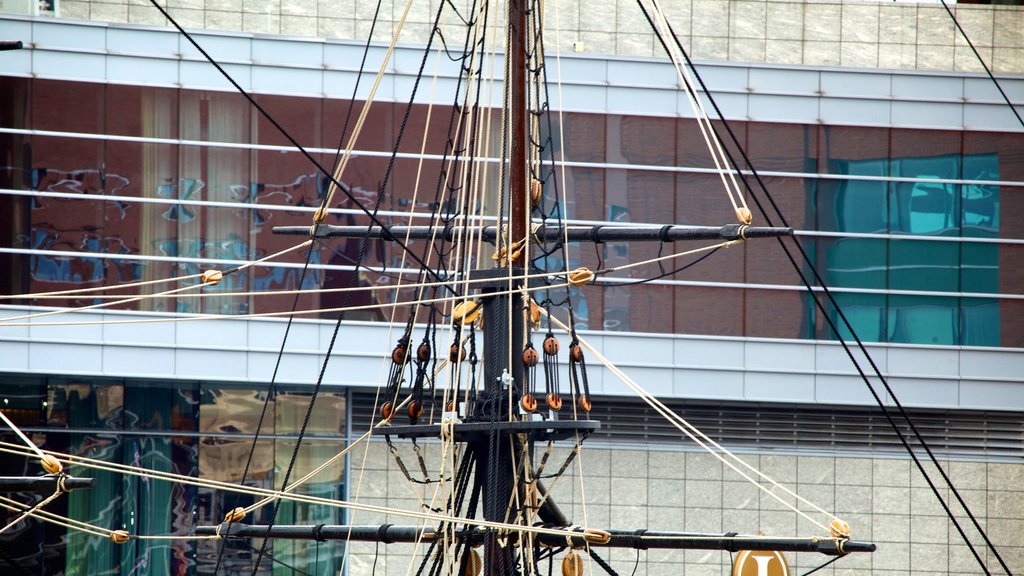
point(126, 158)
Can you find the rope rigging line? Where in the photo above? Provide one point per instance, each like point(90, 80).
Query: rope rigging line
point(334, 181)
point(988, 71)
point(711, 139)
point(91, 463)
point(702, 440)
point(832, 326)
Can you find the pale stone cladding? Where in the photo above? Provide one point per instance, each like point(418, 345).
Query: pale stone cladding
point(890, 35)
point(885, 500)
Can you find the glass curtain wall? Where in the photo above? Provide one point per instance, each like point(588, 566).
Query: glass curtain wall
point(906, 225)
point(189, 428)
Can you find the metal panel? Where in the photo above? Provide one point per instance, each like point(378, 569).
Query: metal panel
point(136, 361)
point(927, 115)
point(222, 47)
point(77, 36)
point(843, 84)
point(134, 70)
point(643, 74)
point(641, 101)
point(733, 106)
point(290, 52)
point(69, 66)
point(923, 362)
point(855, 111)
point(923, 392)
point(767, 108)
point(775, 387)
point(154, 43)
point(777, 356)
point(919, 86)
point(280, 80)
point(784, 81)
point(202, 75)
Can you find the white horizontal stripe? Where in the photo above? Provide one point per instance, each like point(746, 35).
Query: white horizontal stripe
point(567, 163)
point(612, 280)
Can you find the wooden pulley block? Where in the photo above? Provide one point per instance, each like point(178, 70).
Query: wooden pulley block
point(466, 312)
point(583, 403)
point(51, 464)
point(415, 410)
point(530, 357)
point(212, 277)
point(398, 355)
point(473, 563)
point(839, 529)
point(423, 352)
point(581, 276)
point(236, 515)
point(456, 354)
point(534, 314)
point(572, 564)
point(551, 345)
point(576, 353)
point(529, 403)
point(744, 215)
point(387, 411)
point(554, 402)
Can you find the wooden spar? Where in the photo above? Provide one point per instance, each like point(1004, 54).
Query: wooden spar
point(518, 189)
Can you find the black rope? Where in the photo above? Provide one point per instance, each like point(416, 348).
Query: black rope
point(990, 77)
point(831, 298)
point(600, 562)
point(330, 175)
point(813, 570)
